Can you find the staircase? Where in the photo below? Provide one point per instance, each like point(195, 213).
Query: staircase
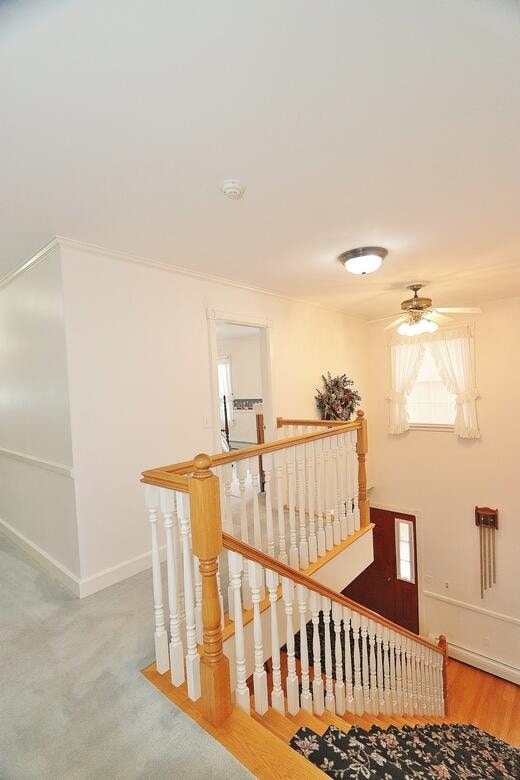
point(258, 646)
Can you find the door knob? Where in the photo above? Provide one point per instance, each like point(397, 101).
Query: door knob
point(389, 579)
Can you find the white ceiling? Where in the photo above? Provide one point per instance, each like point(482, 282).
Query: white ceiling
point(350, 121)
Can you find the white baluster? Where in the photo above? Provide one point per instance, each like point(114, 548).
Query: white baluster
point(348, 661)
point(424, 682)
point(336, 526)
point(235, 564)
point(255, 479)
point(431, 709)
point(293, 698)
point(278, 460)
point(357, 524)
point(267, 464)
point(162, 662)
point(407, 676)
point(256, 582)
point(379, 665)
point(167, 499)
point(358, 690)
point(392, 672)
point(419, 676)
point(306, 696)
point(227, 478)
point(364, 669)
point(300, 483)
point(327, 491)
point(374, 702)
point(277, 696)
point(309, 465)
point(342, 499)
point(293, 550)
point(320, 536)
point(329, 532)
point(386, 668)
point(242, 477)
point(398, 675)
point(192, 656)
point(339, 689)
point(413, 674)
point(317, 683)
point(330, 702)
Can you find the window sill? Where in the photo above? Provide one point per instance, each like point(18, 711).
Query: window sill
point(431, 427)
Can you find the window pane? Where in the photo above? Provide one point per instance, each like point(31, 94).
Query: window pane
point(406, 571)
point(404, 551)
point(430, 402)
point(404, 533)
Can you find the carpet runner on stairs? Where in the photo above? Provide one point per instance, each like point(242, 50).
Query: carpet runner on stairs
point(445, 751)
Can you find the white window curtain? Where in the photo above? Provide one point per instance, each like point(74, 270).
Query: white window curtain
point(224, 388)
point(453, 353)
point(406, 357)
point(452, 350)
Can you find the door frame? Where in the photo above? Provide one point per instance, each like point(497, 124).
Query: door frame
point(418, 514)
point(265, 326)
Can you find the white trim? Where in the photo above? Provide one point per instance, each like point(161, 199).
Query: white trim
point(38, 257)
point(49, 465)
point(265, 326)
point(81, 588)
point(46, 561)
point(182, 270)
point(114, 574)
point(431, 427)
point(472, 607)
point(483, 662)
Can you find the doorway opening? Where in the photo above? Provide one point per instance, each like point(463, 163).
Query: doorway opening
point(241, 382)
point(389, 585)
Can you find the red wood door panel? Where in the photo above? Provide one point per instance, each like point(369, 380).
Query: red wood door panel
point(379, 587)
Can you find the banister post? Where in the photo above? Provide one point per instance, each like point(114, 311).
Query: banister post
point(206, 532)
point(362, 449)
point(443, 645)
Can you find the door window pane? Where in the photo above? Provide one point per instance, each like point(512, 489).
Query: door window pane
point(404, 549)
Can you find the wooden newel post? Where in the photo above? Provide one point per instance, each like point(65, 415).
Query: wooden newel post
point(443, 645)
point(362, 449)
point(206, 534)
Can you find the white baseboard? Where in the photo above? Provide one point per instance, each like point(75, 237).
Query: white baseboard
point(79, 587)
point(53, 567)
point(479, 661)
point(114, 574)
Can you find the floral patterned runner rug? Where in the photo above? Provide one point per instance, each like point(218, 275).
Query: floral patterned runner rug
point(446, 751)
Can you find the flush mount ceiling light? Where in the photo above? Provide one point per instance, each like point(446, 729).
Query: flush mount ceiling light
point(363, 260)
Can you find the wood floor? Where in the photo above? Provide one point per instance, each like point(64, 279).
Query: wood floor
point(484, 700)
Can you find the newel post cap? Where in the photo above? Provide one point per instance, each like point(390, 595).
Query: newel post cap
point(201, 463)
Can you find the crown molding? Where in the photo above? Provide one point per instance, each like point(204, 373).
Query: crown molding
point(34, 260)
point(183, 271)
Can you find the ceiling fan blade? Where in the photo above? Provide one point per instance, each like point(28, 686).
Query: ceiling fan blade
point(396, 322)
point(460, 310)
point(382, 319)
point(440, 319)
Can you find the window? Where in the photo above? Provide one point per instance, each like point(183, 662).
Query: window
point(404, 549)
point(225, 388)
point(429, 402)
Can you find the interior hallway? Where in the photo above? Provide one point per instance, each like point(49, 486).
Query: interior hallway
point(74, 703)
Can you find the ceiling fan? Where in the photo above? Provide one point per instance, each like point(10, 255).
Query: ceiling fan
point(419, 316)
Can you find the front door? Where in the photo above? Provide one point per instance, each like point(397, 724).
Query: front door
point(389, 585)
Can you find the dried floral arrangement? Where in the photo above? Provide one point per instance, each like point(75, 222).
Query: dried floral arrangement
point(339, 398)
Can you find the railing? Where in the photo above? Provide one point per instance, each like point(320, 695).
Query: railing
point(360, 661)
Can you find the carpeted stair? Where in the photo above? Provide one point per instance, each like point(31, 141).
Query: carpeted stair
point(444, 751)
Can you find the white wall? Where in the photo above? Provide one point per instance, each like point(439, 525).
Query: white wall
point(36, 487)
point(444, 477)
point(246, 378)
point(139, 372)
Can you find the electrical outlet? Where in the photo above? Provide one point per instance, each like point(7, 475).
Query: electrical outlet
point(446, 584)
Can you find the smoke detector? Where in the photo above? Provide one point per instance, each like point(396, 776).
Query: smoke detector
point(232, 189)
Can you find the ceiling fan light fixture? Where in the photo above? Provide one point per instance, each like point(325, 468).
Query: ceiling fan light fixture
point(363, 260)
point(417, 328)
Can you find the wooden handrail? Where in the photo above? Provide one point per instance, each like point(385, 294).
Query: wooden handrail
point(157, 476)
point(281, 421)
point(230, 543)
